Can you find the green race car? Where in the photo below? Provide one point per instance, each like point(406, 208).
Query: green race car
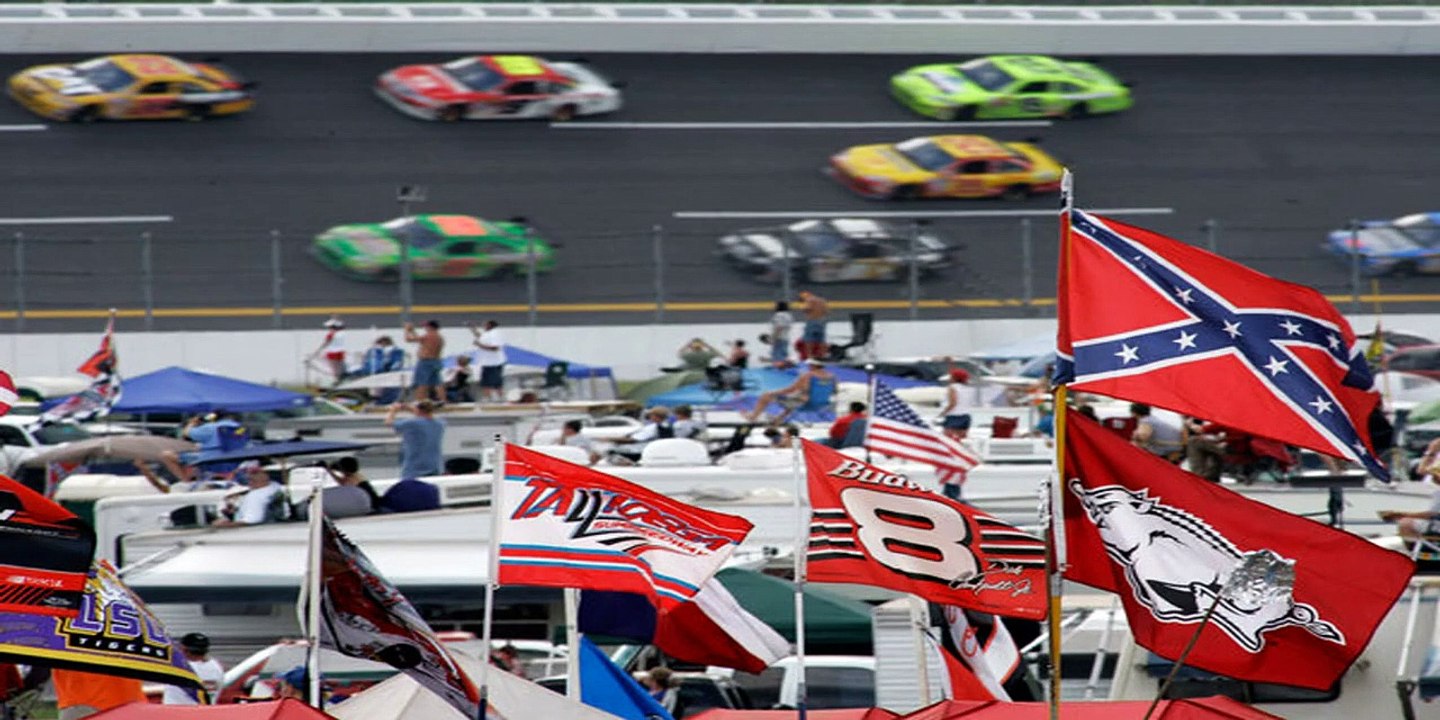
point(441, 247)
point(1010, 86)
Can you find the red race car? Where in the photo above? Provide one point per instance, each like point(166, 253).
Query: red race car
point(498, 87)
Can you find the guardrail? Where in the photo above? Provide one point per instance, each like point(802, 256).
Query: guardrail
point(509, 27)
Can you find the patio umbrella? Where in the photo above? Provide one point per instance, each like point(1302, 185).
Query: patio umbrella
point(120, 447)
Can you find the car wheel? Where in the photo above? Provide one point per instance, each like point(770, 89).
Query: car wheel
point(85, 114)
point(564, 113)
point(905, 192)
point(388, 275)
point(1077, 111)
point(961, 113)
point(196, 113)
point(1016, 192)
point(451, 113)
point(1405, 269)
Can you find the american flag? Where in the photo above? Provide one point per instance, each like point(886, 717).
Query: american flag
point(895, 429)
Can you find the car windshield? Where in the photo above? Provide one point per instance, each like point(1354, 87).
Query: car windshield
point(105, 75)
point(925, 154)
point(987, 75)
point(817, 238)
point(420, 235)
point(57, 433)
point(1386, 240)
point(474, 74)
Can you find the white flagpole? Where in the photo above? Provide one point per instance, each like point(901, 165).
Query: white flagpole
point(802, 544)
point(497, 506)
point(572, 640)
point(919, 619)
point(313, 577)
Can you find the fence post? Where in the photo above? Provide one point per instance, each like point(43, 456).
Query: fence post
point(914, 269)
point(147, 279)
point(658, 233)
point(1354, 266)
point(20, 282)
point(277, 281)
point(1212, 235)
point(1027, 265)
point(532, 290)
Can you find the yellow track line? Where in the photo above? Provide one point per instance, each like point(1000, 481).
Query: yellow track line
point(616, 307)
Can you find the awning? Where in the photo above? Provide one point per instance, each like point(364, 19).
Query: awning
point(834, 624)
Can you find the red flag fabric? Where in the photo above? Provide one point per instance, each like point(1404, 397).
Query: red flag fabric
point(873, 527)
point(8, 396)
point(45, 554)
point(964, 683)
point(1166, 542)
point(1211, 708)
point(566, 525)
point(1147, 318)
point(102, 361)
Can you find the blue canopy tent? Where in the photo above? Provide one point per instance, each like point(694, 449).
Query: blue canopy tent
point(516, 356)
point(1021, 350)
point(177, 390)
point(763, 380)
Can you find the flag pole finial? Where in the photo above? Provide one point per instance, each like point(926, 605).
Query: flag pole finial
point(1067, 189)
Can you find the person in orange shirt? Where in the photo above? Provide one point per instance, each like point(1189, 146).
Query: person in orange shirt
point(82, 694)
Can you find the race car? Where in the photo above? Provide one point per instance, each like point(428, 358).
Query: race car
point(441, 247)
point(964, 166)
point(844, 250)
point(498, 87)
point(131, 87)
point(1407, 245)
point(1010, 86)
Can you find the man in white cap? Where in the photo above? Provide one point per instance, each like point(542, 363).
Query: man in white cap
point(254, 506)
point(332, 348)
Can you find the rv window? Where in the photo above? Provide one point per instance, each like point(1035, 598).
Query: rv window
point(839, 687)
point(1198, 685)
point(238, 609)
point(764, 689)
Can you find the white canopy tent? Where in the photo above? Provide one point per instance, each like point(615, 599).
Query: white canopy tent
point(511, 698)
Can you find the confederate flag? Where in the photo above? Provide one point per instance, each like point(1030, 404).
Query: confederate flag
point(1166, 542)
point(1150, 319)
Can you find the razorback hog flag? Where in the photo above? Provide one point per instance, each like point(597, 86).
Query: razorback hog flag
point(362, 615)
point(873, 527)
point(1147, 318)
point(45, 554)
point(1166, 542)
point(980, 655)
point(565, 525)
point(114, 633)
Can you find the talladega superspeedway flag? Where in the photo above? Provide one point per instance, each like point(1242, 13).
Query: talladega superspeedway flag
point(114, 634)
point(565, 525)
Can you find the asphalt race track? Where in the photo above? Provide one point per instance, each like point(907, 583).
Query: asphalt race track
point(1276, 150)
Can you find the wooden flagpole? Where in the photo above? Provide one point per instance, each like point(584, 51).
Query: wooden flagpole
point(1054, 554)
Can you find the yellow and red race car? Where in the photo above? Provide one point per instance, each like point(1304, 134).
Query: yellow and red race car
point(962, 166)
point(131, 87)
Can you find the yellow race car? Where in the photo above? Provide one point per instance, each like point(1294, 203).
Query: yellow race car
point(962, 166)
point(131, 87)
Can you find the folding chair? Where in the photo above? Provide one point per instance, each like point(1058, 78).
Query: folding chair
point(862, 332)
point(557, 381)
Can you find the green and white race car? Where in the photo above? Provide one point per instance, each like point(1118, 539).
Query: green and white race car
point(1010, 86)
point(442, 247)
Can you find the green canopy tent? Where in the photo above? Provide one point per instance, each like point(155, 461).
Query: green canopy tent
point(643, 390)
point(834, 624)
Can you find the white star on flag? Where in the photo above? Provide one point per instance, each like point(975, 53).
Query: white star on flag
point(1186, 340)
point(1333, 342)
point(1321, 405)
point(1128, 354)
point(1184, 295)
point(1232, 328)
point(1291, 327)
point(1276, 366)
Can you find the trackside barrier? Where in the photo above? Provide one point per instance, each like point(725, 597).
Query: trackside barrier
point(666, 28)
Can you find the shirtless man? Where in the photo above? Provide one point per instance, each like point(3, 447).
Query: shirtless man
point(427, 382)
point(812, 340)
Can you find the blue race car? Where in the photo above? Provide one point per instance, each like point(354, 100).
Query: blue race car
point(1408, 245)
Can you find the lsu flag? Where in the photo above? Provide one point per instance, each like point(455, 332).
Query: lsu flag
point(45, 553)
point(873, 527)
point(113, 634)
point(565, 525)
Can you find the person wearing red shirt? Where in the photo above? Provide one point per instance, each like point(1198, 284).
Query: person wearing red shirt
point(840, 430)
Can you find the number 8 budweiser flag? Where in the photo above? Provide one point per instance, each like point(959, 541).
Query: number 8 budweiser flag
point(565, 525)
point(873, 527)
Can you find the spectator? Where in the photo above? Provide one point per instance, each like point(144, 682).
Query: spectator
point(659, 682)
point(842, 432)
point(779, 335)
point(812, 390)
point(256, 502)
point(507, 658)
point(572, 435)
point(215, 432)
point(81, 694)
point(696, 354)
point(1415, 525)
point(458, 389)
point(1204, 448)
point(332, 348)
point(421, 439)
point(295, 683)
point(346, 473)
point(952, 480)
point(427, 363)
point(685, 425)
point(960, 395)
point(491, 359)
point(1155, 436)
point(657, 426)
point(382, 357)
point(739, 357)
point(410, 495)
point(816, 311)
point(196, 648)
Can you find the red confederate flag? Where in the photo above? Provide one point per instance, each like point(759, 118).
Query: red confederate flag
point(873, 527)
point(1165, 541)
point(1150, 319)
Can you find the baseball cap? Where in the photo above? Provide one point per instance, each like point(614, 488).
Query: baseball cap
point(296, 677)
point(196, 642)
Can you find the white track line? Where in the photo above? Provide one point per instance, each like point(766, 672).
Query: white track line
point(24, 128)
point(107, 220)
point(790, 214)
point(795, 125)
